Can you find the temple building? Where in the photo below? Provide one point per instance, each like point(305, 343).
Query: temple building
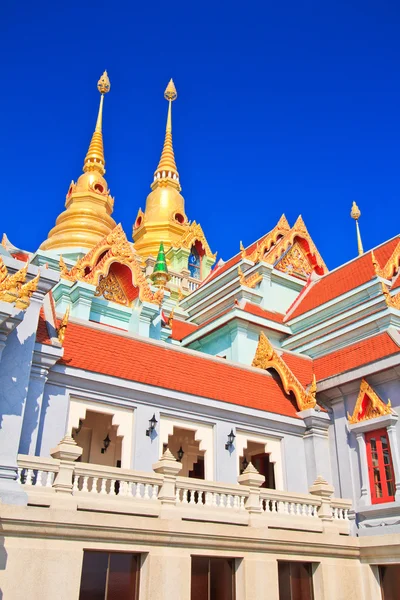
point(177, 426)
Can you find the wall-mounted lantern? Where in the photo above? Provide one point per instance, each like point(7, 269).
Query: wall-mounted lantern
point(245, 464)
point(152, 425)
point(180, 454)
point(231, 439)
point(106, 443)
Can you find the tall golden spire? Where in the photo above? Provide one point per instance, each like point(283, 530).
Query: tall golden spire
point(89, 204)
point(356, 214)
point(164, 219)
point(94, 160)
point(167, 166)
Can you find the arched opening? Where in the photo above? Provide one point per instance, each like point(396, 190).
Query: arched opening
point(186, 449)
point(99, 439)
point(194, 263)
point(255, 453)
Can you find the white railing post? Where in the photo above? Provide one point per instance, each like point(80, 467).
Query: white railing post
point(169, 467)
point(324, 491)
point(67, 452)
point(252, 478)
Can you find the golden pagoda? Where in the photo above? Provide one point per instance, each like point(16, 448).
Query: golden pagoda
point(89, 204)
point(164, 218)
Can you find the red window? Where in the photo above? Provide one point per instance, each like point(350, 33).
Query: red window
point(380, 467)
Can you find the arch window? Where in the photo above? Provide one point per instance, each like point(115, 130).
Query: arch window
point(194, 264)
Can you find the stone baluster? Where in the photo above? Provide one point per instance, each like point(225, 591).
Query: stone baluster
point(252, 478)
point(67, 452)
point(169, 467)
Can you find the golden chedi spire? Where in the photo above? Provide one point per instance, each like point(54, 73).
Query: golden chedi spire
point(86, 220)
point(356, 214)
point(164, 218)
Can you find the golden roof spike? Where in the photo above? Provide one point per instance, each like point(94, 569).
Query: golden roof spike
point(94, 160)
point(356, 214)
point(167, 166)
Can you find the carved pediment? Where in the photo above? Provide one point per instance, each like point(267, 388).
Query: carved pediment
point(295, 262)
point(368, 405)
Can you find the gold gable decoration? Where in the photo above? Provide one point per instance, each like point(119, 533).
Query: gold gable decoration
point(13, 288)
point(194, 233)
point(372, 410)
point(295, 262)
point(280, 240)
point(110, 288)
point(96, 264)
point(266, 357)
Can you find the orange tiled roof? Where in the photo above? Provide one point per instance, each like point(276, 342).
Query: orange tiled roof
point(42, 335)
point(356, 355)
point(158, 365)
point(181, 329)
point(254, 309)
point(342, 280)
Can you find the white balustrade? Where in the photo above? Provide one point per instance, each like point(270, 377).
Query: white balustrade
point(340, 510)
point(36, 472)
point(286, 503)
point(201, 493)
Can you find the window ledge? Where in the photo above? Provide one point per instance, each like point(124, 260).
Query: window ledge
point(372, 424)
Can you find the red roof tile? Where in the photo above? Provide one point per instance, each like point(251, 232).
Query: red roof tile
point(181, 329)
point(356, 355)
point(254, 309)
point(42, 335)
point(162, 366)
point(342, 280)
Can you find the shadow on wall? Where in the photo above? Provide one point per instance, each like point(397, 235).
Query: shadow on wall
point(3, 560)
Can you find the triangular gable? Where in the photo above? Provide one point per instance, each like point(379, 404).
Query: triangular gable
point(194, 233)
point(94, 268)
point(295, 262)
point(368, 405)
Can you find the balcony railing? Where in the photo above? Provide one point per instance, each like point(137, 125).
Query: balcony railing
point(125, 490)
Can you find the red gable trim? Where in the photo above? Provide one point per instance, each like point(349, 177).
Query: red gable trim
point(343, 279)
point(168, 367)
point(356, 355)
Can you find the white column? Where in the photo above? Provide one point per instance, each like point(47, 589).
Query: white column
point(365, 499)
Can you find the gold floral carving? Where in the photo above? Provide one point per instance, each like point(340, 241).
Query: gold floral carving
point(110, 288)
point(113, 248)
point(376, 407)
point(62, 328)
point(13, 287)
point(263, 247)
point(266, 357)
point(250, 281)
point(295, 262)
point(194, 233)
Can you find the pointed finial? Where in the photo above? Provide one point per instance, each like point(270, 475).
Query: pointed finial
point(94, 160)
point(356, 214)
point(160, 275)
point(167, 172)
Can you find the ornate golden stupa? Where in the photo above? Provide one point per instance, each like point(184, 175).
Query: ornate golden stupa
point(164, 218)
point(89, 204)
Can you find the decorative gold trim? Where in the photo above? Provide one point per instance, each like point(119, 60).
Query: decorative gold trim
point(376, 408)
point(391, 267)
point(110, 288)
point(250, 281)
point(295, 262)
point(3, 271)
point(113, 248)
point(194, 233)
point(391, 301)
point(62, 328)
point(25, 293)
point(13, 288)
point(266, 357)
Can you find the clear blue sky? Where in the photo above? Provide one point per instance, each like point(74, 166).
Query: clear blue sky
point(289, 106)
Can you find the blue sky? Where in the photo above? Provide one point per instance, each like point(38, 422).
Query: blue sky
point(289, 106)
